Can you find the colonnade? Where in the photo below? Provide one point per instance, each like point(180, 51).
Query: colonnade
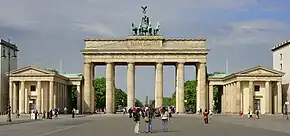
point(240, 95)
point(48, 95)
point(88, 92)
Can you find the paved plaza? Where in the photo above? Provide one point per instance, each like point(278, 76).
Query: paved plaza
point(186, 125)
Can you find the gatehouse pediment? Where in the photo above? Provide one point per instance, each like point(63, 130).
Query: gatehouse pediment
point(260, 70)
point(30, 70)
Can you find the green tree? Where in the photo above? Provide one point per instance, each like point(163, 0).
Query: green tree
point(73, 96)
point(100, 95)
point(53, 70)
point(189, 95)
point(167, 101)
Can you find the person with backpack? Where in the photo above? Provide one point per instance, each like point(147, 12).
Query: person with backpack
point(165, 119)
point(136, 118)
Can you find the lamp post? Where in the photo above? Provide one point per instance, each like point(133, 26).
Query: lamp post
point(9, 65)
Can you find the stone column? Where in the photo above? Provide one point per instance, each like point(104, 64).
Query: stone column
point(65, 96)
point(92, 91)
point(109, 91)
point(238, 97)
point(54, 94)
point(234, 96)
point(159, 85)
point(11, 94)
point(279, 93)
point(38, 87)
point(180, 88)
point(59, 97)
point(130, 85)
point(176, 87)
point(267, 97)
point(42, 100)
point(202, 85)
point(50, 99)
point(197, 87)
point(87, 88)
point(79, 97)
point(113, 88)
point(251, 96)
point(228, 98)
point(224, 99)
point(26, 110)
point(231, 97)
point(21, 97)
point(15, 97)
point(211, 97)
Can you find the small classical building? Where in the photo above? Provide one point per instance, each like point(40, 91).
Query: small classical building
point(257, 88)
point(281, 62)
point(33, 88)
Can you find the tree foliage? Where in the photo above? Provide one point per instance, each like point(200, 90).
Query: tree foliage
point(189, 94)
point(53, 70)
point(100, 95)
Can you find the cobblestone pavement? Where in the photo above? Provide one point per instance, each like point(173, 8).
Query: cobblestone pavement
point(121, 125)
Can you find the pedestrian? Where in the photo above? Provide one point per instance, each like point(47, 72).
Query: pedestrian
point(73, 113)
point(205, 116)
point(164, 117)
point(136, 118)
point(149, 114)
point(258, 114)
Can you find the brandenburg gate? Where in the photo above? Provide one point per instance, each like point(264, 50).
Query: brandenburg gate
point(144, 47)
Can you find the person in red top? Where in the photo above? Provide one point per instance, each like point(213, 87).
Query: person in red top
point(205, 116)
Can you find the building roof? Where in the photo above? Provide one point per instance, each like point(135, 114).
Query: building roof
point(218, 75)
point(280, 45)
point(73, 75)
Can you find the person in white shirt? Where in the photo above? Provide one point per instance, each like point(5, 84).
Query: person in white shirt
point(164, 118)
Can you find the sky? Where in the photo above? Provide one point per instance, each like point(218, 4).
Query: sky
point(48, 31)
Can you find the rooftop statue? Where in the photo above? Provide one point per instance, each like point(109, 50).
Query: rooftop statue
point(145, 27)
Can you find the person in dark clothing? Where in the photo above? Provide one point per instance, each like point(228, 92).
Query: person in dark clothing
point(136, 118)
point(149, 114)
point(205, 116)
point(130, 112)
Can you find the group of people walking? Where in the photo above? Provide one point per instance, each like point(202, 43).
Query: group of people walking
point(148, 114)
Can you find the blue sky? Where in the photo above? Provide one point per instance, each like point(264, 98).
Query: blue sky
point(242, 32)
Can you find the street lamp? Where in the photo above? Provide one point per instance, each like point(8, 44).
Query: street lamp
point(9, 59)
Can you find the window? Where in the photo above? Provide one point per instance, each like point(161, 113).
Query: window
point(281, 66)
point(32, 88)
point(257, 88)
point(281, 57)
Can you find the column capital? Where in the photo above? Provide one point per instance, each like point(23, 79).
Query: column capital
point(130, 62)
point(159, 62)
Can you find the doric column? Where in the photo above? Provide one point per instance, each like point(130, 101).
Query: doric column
point(113, 88)
point(211, 97)
point(202, 85)
point(65, 96)
point(87, 88)
point(15, 97)
point(79, 97)
point(224, 99)
point(251, 96)
point(59, 97)
point(130, 85)
point(267, 97)
point(176, 86)
point(228, 107)
point(26, 110)
point(92, 93)
point(197, 87)
point(11, 94)
point(180, 88)
point(50, 98)
point(231, 97)
point(55, 89)
point(38, 98)
point(238, 96)
point(158, 85)
point(109, 88)
point(279, 93)
point(42, 100)
point(21, 97)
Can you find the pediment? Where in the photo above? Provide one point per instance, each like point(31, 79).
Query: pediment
point(259, 70)
point(30, 70)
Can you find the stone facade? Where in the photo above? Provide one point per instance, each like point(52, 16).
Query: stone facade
point(253, 89)
point(34, 88)
point(144, 50)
